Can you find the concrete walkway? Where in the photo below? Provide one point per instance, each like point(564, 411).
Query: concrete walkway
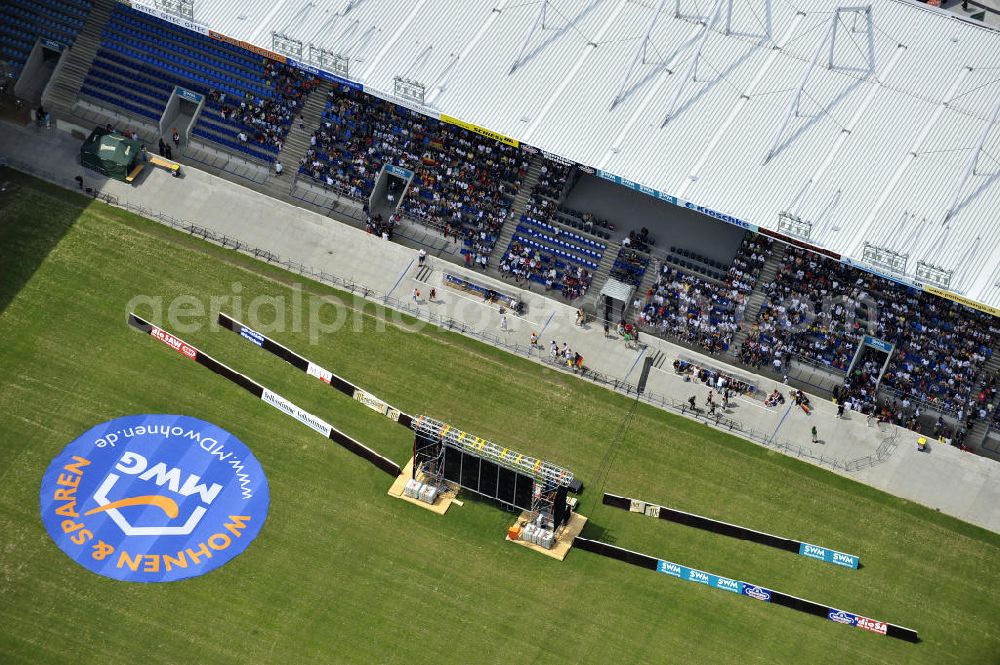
point(956, 483)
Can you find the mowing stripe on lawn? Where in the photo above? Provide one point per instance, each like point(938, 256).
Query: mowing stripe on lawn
point(312, 369)
point(272, 398)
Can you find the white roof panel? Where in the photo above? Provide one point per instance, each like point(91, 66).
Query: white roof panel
point(550, 73)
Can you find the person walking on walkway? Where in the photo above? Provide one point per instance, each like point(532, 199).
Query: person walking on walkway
point(814, 434)
point(416, 295)
point(421, 258)
point(433, 294)
point(503, 322)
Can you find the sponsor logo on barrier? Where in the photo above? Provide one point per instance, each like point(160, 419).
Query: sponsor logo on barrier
point(872, 625)
point(323, 74)
point(556, 158)
point(174, 343)
point(735, 221)
point(482, 131)
point(398, 171)
point(962, 300)
point(669, 568)
point(846, 560)
point(828, 555)
point(652, 510)
point(54, 45)
point(304, 417)
point(841, 616)
point(188, 94)
point(698, 576)
point(252, 335)
point(170, 18)
point(758, 592)
point(320, 373)
point(636, 506)
point(899, 279)
point(879, 344)
point(586, 169)
point(727, 584)
point(154, 498)
point(369, 400)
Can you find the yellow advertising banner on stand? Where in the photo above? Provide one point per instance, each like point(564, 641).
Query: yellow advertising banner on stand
point(968, 302)
point(482, 131)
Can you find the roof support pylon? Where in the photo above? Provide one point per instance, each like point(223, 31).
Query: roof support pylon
point(539, 23)
point(793, 107)
point(639, 54)
point(970, 165)
point(706, 31)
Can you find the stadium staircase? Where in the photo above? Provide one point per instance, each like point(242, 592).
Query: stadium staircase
point(757, 296)
point(297, 142)
point(518, 208)
point(65, 90)
point(592, 300)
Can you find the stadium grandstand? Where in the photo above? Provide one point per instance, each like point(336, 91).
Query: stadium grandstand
point(406, 303)
point(786, 186)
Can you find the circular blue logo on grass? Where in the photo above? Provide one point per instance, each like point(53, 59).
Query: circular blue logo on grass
point(154, 498)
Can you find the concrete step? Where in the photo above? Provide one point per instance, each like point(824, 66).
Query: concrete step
point(592, 301)
point(758, 296)
point(66, 86)
point(297, 141)
point(518, 207)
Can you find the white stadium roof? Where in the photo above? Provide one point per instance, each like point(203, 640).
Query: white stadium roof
point(871, 134)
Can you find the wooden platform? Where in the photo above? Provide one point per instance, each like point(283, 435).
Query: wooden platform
point(441, 503)
point(564, 536)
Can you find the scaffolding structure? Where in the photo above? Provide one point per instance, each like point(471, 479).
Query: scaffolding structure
point(428, 461)
point(541, 471)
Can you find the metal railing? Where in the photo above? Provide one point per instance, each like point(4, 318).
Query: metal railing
point(616, 384)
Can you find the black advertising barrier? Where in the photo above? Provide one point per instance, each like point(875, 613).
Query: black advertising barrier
point(746, 589)
point(615, 552)
point(732, 530)
point(312, 369)
point(259, 391)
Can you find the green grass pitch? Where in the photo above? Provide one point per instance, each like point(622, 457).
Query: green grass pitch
point(342, 573)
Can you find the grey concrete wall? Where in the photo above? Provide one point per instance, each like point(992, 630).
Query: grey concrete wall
point(669, 224)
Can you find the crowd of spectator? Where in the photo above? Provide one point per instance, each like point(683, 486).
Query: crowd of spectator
point(819, 309)
point(356, 136)
point(463, 184)
point(524, 263)
point(530, 263)
point(702, 312)
point(265, 121)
